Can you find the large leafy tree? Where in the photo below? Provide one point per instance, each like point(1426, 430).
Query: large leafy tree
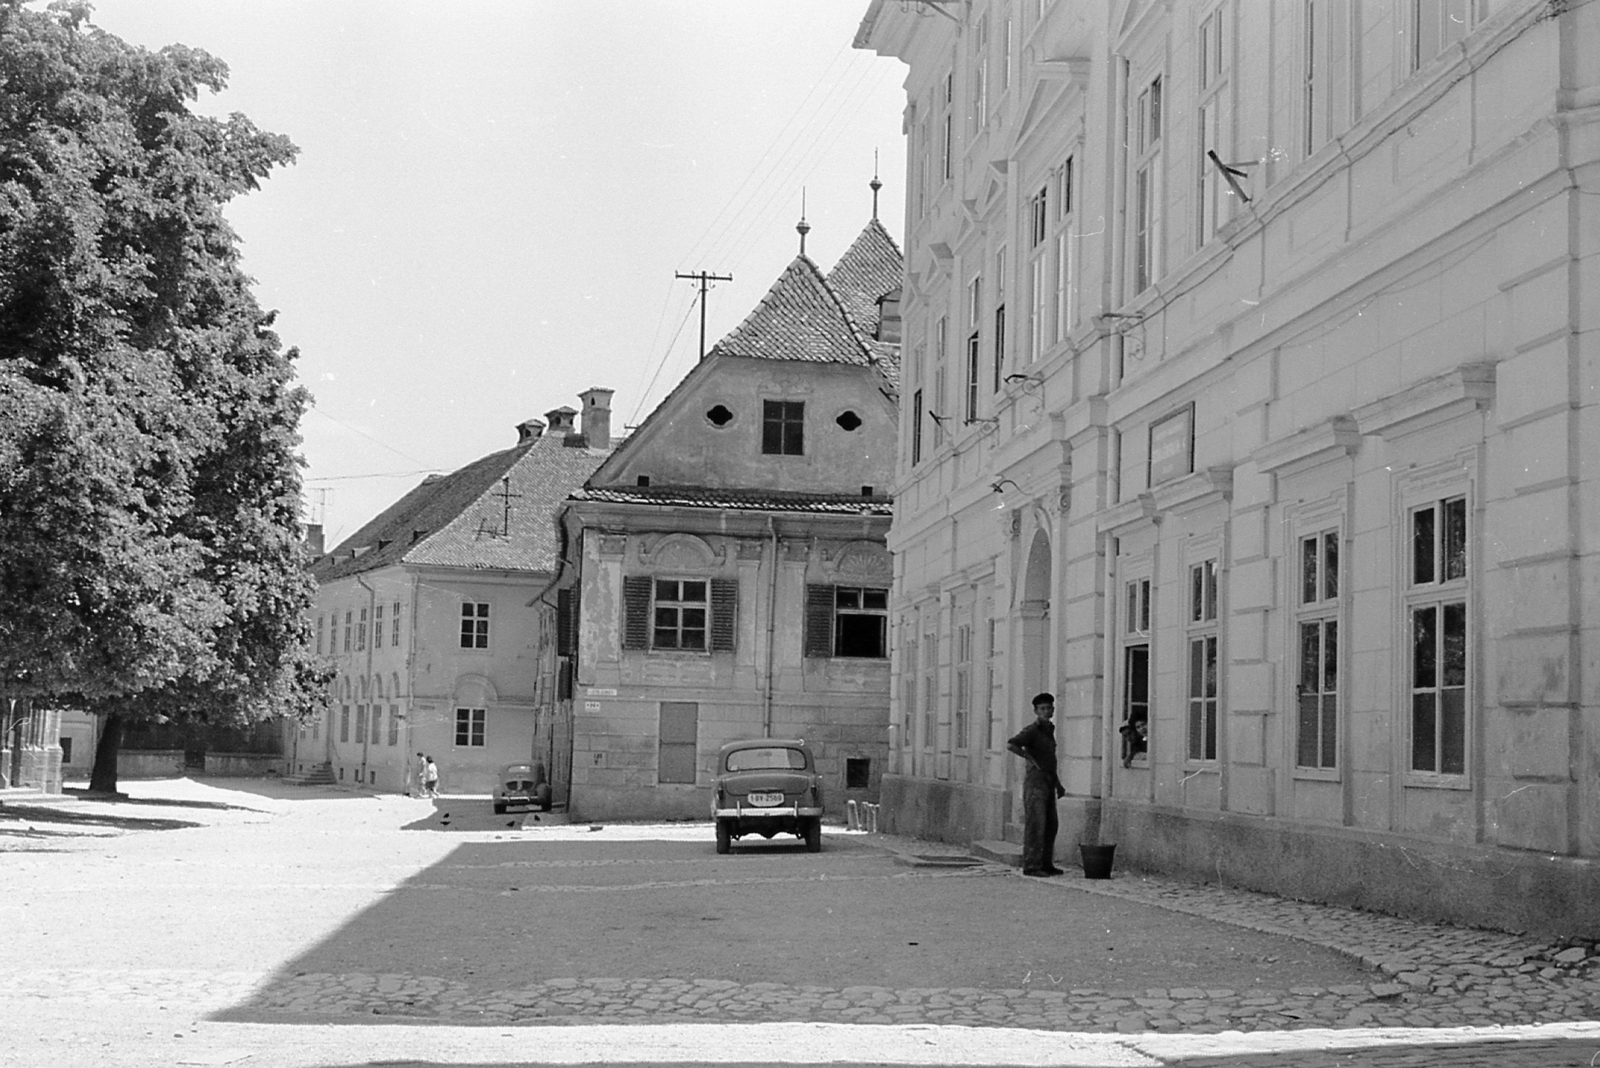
point(150, 561)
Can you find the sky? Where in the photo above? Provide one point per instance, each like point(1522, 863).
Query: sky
point(491, 200)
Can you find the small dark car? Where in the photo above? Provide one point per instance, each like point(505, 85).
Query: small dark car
point(522, 784)
point(767, 786)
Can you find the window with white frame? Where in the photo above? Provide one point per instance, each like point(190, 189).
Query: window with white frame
point(963, 683)
point(909, 667)
point(860, 622)
point(979, 72)
point(1038, 270)
point(1202, 668)
point(994, 679)
point(361, 723)
point(1328, 96)
point(999, 319)
point(377, 626)
point(344, 723)
point(974, 325)
point(394, 724)
point(1144, 125)
point(1214, 205)
point(1436, 608)
point(930, 689)
point(322, 626)
point(1066, 273)
point(394, 625)
point(361, 631)
point(1438, 24)
point(1135, 696)
point(937, 403)
point(1317, 630)
point(471, 724)
point(474, 625)
point(679, 614)
point(947, 143)
point(349, 631)
point(1005, 54)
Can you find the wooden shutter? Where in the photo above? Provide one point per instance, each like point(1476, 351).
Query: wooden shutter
point(636, 611)
point(724, 614)
point(566, 621)
point(819, 620)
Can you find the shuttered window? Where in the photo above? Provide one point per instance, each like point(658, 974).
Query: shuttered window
point(819, 621)
point(566, 621)
point(642, 602)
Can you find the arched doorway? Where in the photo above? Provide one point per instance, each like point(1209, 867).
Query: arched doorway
point(1035, 607)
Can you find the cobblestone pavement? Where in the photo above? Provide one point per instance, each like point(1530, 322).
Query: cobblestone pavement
point(1435, 995)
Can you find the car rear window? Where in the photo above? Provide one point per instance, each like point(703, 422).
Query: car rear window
point(767, 759)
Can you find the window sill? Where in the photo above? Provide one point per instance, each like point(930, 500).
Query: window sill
point(1317, 774)
point(1423, 780)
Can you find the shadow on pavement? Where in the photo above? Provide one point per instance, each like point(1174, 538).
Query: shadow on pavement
point(10, 812)
point(455, 813)
point(83, 794)
point(1490, 1053)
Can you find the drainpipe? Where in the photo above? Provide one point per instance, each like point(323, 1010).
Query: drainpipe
point(772, 626)
point(372, 641)
point(411, 679)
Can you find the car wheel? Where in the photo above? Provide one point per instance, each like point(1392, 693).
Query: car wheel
point(814, 835)
point(724, 837)
point(499, 808)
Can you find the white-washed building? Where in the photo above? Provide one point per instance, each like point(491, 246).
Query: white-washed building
point(1253, 407)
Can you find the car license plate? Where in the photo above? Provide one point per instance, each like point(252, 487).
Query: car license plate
point(766, 799)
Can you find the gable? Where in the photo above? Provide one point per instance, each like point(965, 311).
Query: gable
point(682, 443)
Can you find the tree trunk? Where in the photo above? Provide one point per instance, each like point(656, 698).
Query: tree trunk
point(103, 779)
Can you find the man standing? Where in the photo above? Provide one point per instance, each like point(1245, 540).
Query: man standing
point(1036, 743)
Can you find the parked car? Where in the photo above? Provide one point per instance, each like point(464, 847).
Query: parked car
point(767, 786)
point(522, 784)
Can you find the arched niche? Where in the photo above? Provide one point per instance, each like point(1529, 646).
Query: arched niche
point(474, 691)
point(680, 552)
point(865, 562)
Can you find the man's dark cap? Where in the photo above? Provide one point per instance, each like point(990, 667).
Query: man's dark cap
point(1044, 699)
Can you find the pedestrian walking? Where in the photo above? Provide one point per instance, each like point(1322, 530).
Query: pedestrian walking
point(1041, 787)
point(430, 778)
point(419, 776)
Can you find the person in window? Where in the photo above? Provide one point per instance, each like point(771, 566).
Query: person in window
point(1135, 736)
point(1036, 744)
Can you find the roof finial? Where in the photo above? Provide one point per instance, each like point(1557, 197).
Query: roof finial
point(876, 185)
point(804, 227)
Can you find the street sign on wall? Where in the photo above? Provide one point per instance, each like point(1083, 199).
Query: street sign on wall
point(1172, 446)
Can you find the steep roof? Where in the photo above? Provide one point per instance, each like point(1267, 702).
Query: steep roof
point(870, 268)
point(800, 318)
point(459, 519)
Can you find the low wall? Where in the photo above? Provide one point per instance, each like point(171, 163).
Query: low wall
point(1479, 886)
point(942, 811)
point(149, 763)
point(244, 764)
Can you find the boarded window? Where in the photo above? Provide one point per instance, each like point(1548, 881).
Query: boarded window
point(680, 732)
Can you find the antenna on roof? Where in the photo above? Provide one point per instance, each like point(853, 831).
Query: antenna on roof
point(803, 227)
point(876, 185)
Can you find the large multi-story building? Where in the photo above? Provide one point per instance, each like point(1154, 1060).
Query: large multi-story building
point(1252, 405)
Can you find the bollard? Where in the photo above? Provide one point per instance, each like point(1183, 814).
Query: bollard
point(852, 816)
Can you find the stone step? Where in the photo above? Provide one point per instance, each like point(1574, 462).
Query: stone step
point(999, 852)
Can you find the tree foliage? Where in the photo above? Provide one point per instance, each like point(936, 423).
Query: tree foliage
point(150, 558)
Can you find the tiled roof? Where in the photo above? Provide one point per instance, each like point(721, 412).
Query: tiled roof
point(750, 499)
point(800, 318)
point(870, 268)
point(459, 519)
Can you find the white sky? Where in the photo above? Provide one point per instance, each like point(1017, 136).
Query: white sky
point(491, 199)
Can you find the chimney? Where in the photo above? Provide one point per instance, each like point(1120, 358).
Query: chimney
point(529, 430)
point(561, 421)
point(314, 545)
point(597, 416)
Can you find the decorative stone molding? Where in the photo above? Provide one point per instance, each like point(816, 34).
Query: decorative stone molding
point(613, 544)
point(1199, 488)
point(1142, 509)
point(749, 549)
point(1468, 388)
point(684, 551)
point(865, 560)
point(1335, 439)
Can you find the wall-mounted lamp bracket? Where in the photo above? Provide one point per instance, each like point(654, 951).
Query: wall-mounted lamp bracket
point(999, 485)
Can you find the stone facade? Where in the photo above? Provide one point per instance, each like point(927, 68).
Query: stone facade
point(1262, 344)
point(432, 618)
point(732, 579)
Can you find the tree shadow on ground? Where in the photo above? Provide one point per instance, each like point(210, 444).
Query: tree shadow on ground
point(84, 794)
point(14, 813)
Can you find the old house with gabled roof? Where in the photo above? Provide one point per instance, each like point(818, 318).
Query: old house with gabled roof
point(430, 616)
point(732, 578)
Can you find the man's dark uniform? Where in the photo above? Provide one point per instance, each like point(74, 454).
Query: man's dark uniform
point(1039, 792)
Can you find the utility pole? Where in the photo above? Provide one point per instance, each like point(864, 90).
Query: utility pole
point(705, 281)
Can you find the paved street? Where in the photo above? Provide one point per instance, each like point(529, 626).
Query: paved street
point(256, 924)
